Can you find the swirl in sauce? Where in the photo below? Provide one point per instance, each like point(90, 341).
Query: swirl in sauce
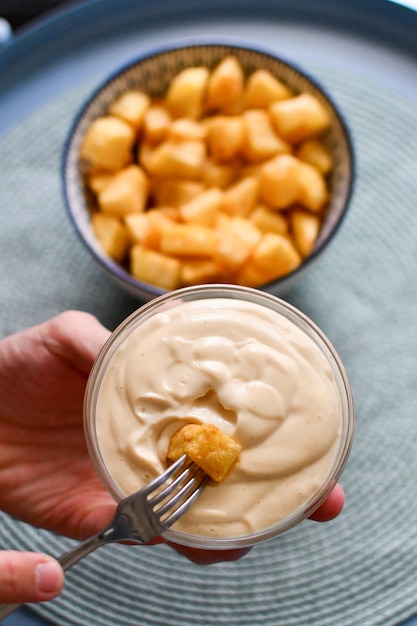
point(249, 371)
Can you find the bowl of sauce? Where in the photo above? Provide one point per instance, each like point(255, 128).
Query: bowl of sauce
point(248, 363)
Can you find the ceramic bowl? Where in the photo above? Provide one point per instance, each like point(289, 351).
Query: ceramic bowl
point(152, 73)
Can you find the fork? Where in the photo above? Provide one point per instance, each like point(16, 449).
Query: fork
point(144, 515)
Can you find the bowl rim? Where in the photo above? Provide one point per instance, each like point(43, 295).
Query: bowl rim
point(117, 271)
point(278, 306)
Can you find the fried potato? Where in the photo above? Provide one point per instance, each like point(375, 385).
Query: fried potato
point(278, 181)
point(300, 117)
point(189, 240)
point(241, 197)
point(112, 235)
point(108, 143)
point(186, 92)
point(131, 107)
point(313, 151)
point(154, 268)
point(203, 209)
point(225, 137)
point(126, 192)
point(272, 258)
point(225, 87)
point(261, 142)
point(262, 89)
point(237, 237)
point(269, 221)
point(156, 122)
point(305, 228)
point(182, 159)
point(174, 192)
point(206, 445)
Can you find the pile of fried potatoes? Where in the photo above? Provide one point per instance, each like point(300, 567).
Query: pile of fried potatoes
point(224, 179)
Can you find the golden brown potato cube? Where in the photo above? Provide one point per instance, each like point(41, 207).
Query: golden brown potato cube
point(210, 448)
point(225, 137)
point(200, 271)
point(131, 107)
point(186, 92)
point(137, 225)
point(305, 228)
point(126, 193)
point(218, 175)
point(108, 143)
point(174, 192)
point(204, 208)
point(154, 268)
point(171, 212)
point(112, 235)
point(262, 88)
point(314, 152)
point(189, 240)
point(237, 237)
point(241, 197)
point(274, 257)
point(268, 221)
point(97, 180)
point(184, 159)
point(156, 122)
point(184, 129)
point(278, 181)
point(261, 141)
point(300, 117)
point(147, 228)
point(225, 87)
point(313, 192)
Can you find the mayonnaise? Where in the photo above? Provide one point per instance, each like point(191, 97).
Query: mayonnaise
point(244, 368)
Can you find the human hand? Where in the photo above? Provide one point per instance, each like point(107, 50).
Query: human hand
point(46, 476)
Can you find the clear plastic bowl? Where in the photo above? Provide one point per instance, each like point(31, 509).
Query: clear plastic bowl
point(284, 309)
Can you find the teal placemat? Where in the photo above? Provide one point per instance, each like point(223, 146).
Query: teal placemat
point(357, 570)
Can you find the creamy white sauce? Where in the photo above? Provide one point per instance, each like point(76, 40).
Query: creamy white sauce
point(249, 371)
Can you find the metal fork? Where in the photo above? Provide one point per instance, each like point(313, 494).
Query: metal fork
point(144, 515)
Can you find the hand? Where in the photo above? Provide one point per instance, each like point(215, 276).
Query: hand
point(46, 476)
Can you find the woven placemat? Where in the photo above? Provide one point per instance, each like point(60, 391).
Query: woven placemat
point(357, 570)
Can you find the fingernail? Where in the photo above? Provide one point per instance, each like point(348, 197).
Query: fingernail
point(48, 576)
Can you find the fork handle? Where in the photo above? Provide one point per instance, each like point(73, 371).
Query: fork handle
point(67, 560)
point(70, 558)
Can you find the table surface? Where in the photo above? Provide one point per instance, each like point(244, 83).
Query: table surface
point(396, 63)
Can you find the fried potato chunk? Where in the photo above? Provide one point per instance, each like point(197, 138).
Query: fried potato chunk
point(300, 117)
point(112, 235)
point(108, 143)
point(186, 92)
point(206, 445)
point(263, 89)
point(131, 107)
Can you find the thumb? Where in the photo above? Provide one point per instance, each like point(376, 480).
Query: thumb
point(29, 577)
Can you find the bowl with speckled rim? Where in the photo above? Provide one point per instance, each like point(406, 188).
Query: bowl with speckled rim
point(152, 73)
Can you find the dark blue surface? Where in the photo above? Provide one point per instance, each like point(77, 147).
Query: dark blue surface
point(25, 617)
point(87, 40)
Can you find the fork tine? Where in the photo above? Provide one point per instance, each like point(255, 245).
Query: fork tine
point(163, 493)
point(183, 461)
point(187, 489)
point(185, 504)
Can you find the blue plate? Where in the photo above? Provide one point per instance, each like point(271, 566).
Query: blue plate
point(86, 41)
